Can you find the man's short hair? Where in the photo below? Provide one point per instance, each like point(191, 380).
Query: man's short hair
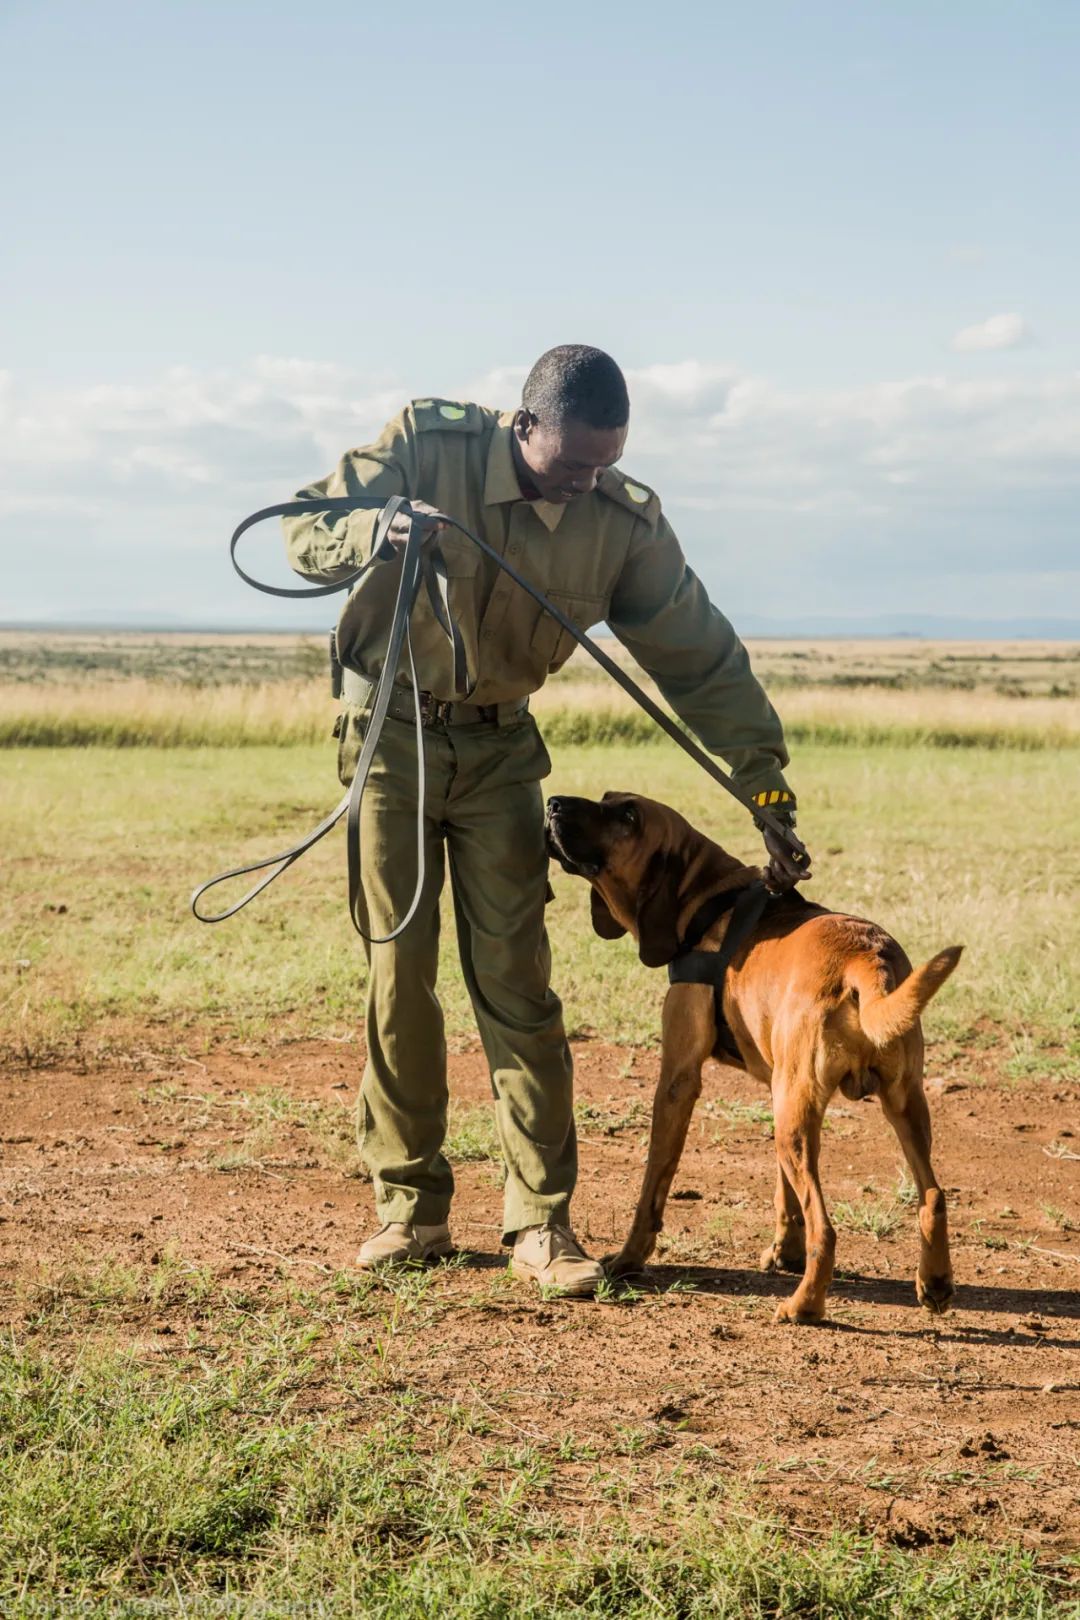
point(577, 383)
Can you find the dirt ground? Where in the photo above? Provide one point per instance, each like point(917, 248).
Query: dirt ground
point(883, 1418)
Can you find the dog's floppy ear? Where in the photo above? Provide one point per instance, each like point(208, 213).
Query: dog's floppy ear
point(603, 922)
point(658, 911)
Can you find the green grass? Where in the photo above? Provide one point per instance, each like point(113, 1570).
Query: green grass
point(214, 1479)
point(740, 1113)
point(472, 1136)
point(596, 1120)
point(879, 1215)
point(330, 1130)
point(276, 1450)
point(877, 1218)
point(98, 949)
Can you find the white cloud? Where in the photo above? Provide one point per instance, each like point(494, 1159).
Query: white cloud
point(997, 332)
point(701, 433)
point(912, 478)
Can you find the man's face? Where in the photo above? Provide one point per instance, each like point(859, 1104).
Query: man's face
point(561, 462)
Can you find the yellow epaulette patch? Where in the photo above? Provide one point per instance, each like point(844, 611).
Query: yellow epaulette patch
point(441, 415)
point(636, 497)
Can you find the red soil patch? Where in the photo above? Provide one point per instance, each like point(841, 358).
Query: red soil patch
point(919, 1429)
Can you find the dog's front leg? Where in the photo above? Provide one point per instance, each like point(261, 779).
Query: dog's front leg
point(688, 1036)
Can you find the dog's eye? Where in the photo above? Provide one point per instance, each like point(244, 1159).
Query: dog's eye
point(628, 813)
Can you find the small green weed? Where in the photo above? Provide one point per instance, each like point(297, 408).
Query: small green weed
point(472, 1136)
point(608, 1121)
point(877, 1216)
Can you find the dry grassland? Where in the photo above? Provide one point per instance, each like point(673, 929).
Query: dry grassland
point(172, 691)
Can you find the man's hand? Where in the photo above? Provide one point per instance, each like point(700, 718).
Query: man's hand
point(783, 870)
point(426, 517)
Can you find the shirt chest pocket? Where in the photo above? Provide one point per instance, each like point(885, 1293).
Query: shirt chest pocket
point(461, 562)
point(460, 555)
point(451, 593)
point(551, 644)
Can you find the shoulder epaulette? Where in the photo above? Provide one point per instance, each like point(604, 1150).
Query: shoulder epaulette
point(629, 493)
point(446, 416)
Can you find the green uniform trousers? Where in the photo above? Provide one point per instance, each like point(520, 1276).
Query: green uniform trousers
point(484, 808)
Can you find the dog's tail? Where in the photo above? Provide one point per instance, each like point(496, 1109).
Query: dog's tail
point(885, 1016)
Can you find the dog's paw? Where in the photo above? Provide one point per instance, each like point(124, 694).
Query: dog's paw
point(789, 1310)
point(776, 1258)
point(623, 1265)
point(934, 1293)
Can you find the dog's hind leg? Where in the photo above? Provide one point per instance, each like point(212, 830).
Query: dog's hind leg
point(787, 1251)
point(904, 1103)
point(798, 1115)
point(688, 1035)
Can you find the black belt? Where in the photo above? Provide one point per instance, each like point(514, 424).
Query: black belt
point(357, 692)
point(423, 565)
point(691, 966)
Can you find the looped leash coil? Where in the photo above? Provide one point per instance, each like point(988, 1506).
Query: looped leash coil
point(420, 565)
point(408, 586)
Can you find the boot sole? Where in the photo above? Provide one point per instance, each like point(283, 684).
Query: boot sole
point(527, 1273)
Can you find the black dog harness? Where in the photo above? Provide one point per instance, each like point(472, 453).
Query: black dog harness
point(691, 966)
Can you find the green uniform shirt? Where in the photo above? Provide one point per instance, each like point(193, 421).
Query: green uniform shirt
point(610, 556)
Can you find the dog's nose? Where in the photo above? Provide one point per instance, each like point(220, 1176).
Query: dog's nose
point(554, 806)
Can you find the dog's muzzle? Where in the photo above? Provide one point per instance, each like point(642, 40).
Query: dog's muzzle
point(566, 845)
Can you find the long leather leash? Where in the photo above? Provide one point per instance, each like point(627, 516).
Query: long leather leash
point(416, 569)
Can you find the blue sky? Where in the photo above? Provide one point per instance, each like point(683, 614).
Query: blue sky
point(835, 247)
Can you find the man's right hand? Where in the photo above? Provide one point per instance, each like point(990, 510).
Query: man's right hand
point(785, 869)
point(426, 517)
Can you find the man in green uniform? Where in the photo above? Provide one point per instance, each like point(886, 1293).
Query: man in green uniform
point(540, 485)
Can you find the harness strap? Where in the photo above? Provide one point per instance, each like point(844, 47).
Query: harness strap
point(707, 914)
point(747, 907)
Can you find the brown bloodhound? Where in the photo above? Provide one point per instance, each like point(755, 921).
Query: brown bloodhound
point(814, 1001)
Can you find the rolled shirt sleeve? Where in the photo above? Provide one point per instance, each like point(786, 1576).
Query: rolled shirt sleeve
point(662, 614)
point(323, 549)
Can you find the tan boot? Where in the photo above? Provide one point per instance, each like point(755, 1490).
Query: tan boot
point(400, 1243)
point(553, 1257)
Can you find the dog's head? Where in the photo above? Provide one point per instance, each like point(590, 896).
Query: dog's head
point(646, 865)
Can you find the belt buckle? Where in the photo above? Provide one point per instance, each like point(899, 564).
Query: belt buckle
point(434, 712)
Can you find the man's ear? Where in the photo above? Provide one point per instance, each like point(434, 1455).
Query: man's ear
point(658, 911)
point(603, 922)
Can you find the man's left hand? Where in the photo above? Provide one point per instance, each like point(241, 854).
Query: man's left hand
point(784, 869)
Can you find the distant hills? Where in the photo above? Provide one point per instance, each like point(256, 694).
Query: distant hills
point(918, 626)
point(921, 626)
